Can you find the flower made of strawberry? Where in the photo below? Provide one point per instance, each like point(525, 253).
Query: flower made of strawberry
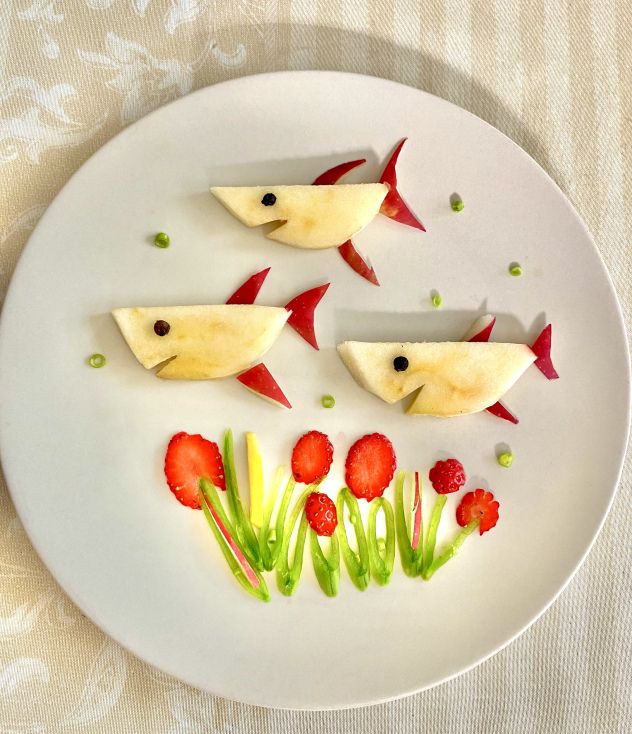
point(188, 459)
point(478, 505)
point(370, 466)
point(446, 477)
point(312, 457)
point(477, 509)
point(321, 514)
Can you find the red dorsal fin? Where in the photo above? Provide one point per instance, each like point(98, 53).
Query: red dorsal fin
point(260, 381)
point(355, 260)
point(248, 291)
point(393, 205)
point(499, 410)
point(542, 349)
point(302, 309)
point(481, 329)
point(333, 175)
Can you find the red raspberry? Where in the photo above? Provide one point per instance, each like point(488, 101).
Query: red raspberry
point(447, 476)
point(320, 512)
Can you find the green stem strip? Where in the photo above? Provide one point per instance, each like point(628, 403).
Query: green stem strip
point(288, 573)
point(381, 550)
point(433, 526)
point(327, 569)
point(452, 549)
point(410, 557)
point(357, 562)
point(270, 539)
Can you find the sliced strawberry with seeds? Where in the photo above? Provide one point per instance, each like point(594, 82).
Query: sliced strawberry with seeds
point(320, 511)
point(370, 466)
point(312, 457)
point(188, 458)
point(481, 505)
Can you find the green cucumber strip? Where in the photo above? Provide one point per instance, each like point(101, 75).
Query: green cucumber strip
point(410, 558)
point(327, 569)
point(452, 549)
point(268, 545)
point(356, 562)
point(381, 560)
point(433, 526)
point(288, 574)
point(243, 527)
point(216, 517)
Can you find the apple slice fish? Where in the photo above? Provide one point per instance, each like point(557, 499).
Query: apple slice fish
point(453, 378)
point(211, 342)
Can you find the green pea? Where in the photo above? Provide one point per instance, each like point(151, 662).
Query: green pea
point(328, 401)
point(505, 459)
point(97, 360)
point(162, 240)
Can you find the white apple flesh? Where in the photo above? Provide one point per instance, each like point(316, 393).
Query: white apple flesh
point(312, 217)
point(203, 342)
point(455, 378)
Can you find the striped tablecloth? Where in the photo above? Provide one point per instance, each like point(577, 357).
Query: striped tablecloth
point(555, 76)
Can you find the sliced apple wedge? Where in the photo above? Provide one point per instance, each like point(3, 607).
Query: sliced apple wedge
point(455, 377)
point(202, 342)
point(312, 217)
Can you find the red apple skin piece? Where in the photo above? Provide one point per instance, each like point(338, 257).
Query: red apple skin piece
point(259, 380)
point(248, 291)
point(416, 515)
point(333, 175)
point(499, 410)
point(302, 309)
point(542, 349)
point(353, 258)
point(347, 250)
point(393, 205)
point(485, 333)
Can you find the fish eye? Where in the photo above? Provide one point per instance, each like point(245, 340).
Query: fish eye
point(400, 364)
point(161, 328)
point(269, 199)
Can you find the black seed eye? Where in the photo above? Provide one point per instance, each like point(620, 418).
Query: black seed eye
point(161, 328)
point(269, 200)
point(400, 364)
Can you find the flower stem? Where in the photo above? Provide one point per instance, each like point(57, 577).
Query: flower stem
point(288, 573)
point(357, 562)
point(452, 549)
point(327, 569)
point(409, 556)
point(381, 554)
point(433, 526)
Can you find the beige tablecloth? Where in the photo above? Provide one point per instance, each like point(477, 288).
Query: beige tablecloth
point(555, 76)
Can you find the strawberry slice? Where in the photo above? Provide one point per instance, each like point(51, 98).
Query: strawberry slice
point(478, 505)
point(312, 457)
point(370, 466)
point(302, 309)
point(189, 458)
point(248, 291)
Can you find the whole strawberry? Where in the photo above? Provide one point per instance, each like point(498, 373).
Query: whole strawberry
point(321, 514)
point(447, 476)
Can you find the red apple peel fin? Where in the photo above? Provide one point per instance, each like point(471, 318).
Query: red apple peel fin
point(357, 263)
point(499, 410)
point(541, 347)
point(393, 205)
point(481, 329)
point(302, 308)
point(259, 380)
point(333, 175)
point(248, 291)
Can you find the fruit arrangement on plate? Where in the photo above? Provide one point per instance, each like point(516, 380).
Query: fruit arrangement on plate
point(448, 379)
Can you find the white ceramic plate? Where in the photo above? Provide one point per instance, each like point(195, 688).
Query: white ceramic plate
point(82, 449)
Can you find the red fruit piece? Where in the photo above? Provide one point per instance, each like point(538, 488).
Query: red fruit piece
point(353, 258)
point(447, 476)
point(247, 292)
point(499, 410)
point(302, 309)
point(478, 504)
point(188, 458)
point(333, 175)
point(542, 350)
point(320, 511)
point(370, 466)
point(481, 329)
point(259, 380)
point(312, 457)
point(393, 205)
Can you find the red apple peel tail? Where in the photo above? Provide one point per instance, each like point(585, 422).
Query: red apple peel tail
point(499, 410)
point(248, 291)
point(541, 347)
point(302, 308)
point(393, 205)
point(357, 263)
point(259, 380)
